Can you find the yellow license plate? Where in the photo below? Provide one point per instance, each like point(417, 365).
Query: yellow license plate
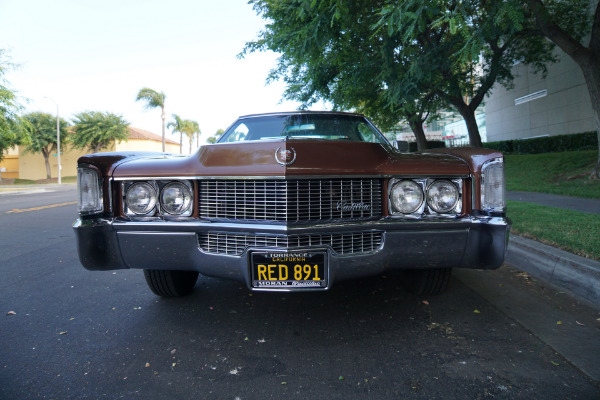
point(289, 270)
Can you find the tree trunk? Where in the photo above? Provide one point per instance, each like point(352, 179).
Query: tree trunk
point(164, 118)
point(180, 143)
point(417, 128)
point(468, 114)
point(46, 154)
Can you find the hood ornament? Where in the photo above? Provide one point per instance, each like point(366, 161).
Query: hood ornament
point(285, 156)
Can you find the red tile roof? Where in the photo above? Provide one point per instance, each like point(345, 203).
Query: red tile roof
point(140, 134)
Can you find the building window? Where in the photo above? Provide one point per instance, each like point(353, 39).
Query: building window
point(530, 97)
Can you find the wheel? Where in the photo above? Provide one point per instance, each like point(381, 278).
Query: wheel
point(427, 282)
point(168, 283)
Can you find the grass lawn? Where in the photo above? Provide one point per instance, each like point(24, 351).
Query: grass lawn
point(572, 231)
point(557, 173)
point(564, 173)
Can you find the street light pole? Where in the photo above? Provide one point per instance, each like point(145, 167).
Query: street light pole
point(59, 167)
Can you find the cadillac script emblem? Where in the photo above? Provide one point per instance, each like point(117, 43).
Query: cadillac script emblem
point(285, 156)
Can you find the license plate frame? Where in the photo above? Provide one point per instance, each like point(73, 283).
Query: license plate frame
point(280, 270)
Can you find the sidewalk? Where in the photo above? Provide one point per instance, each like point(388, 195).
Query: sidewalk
point(35, 188)
point(576, 275)
point(553, 200)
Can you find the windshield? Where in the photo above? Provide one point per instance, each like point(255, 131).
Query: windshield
point(303, 126)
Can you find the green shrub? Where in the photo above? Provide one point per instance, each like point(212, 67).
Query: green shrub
point(433, 144)
point(548, 144)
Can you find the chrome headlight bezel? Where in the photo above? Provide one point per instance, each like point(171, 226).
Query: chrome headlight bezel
point(152, 192)
point(186, 210)
point(159, 208)
point(431, 203)
point(425, 210)
point(398, 209)
point(89, 189)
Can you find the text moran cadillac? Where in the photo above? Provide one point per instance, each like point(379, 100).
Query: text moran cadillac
point(293, 202)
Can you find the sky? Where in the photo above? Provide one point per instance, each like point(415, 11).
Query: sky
point(90, 55)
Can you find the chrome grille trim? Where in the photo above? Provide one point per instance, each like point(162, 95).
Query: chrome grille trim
point(291, 201)
point(346, 243)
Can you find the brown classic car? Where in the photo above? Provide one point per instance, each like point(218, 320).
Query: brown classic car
point(293, 202)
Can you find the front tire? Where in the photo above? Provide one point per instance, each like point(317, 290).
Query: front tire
point(427, 282)
point(167, 283)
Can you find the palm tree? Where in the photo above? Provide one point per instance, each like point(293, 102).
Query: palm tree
point(154, 99)
point(177, 126)
point(190, 128)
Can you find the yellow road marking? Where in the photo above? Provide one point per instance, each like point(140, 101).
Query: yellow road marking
point(41, 207)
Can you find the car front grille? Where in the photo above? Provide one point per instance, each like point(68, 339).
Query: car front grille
point(290, 201)
point(341, 243)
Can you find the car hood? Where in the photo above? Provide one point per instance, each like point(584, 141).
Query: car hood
point(310, 157)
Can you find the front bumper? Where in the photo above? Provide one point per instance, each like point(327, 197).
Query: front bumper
point(466, 243)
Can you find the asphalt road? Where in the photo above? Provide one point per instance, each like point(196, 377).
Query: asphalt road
point(68, 333)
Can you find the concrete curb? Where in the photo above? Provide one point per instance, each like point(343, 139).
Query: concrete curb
point(576, 275)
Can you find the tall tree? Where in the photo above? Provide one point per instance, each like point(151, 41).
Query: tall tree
point(330, 51)
point(177, 126)
point(198, 133)
point(154, 99)
point(213, 139)
point(41, 128)
point(95, 130)
point(404, 59)
point(563, 23)
point(12, 127)
point(190, 128)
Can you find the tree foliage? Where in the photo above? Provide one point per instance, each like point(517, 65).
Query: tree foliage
point(95, 130)
point(392, 59)
point(473, 44)
point(213, 139)
point(154, 99)
point(12, 127)
point(330, 51)
point(184, 126)
point(191, 128)
point(41, 128)
point(176, 125)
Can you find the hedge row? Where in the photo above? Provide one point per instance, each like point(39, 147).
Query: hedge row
point(548, 144)
point(431, 144)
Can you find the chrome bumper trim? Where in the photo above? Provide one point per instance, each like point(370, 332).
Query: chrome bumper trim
point(468, 243)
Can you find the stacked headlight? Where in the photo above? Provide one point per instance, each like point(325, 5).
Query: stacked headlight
point(406, 196)
point(141, 198)
point(424, 197)
point(158, 198)
point(176, 198)
point(442, 196)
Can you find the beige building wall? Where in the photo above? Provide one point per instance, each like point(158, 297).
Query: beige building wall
point(10, 164)
point(558, 104)
point(32, 166)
